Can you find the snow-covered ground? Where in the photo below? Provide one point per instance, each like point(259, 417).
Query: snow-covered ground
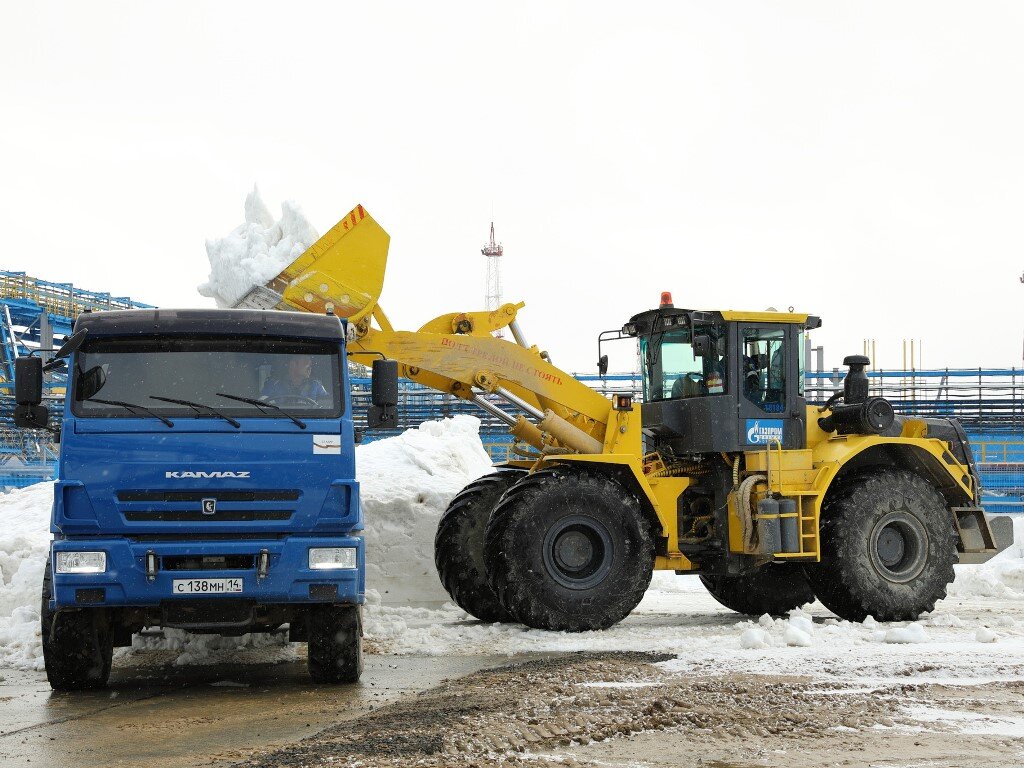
point(977, 633)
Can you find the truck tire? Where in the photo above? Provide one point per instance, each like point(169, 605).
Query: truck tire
point(772, 589)
point(459, 546)
point(887, 548)
point(78, 645)
point(569, 551)
point(335, 644)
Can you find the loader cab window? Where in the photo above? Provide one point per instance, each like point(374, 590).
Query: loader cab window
point(671, 371)
point(764, 368)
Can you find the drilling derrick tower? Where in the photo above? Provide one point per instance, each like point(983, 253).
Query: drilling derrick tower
point(492, 296)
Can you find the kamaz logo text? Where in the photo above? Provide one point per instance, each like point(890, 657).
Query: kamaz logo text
point(206, 475)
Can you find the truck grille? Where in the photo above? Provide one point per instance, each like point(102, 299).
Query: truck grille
point(173, 496)
point(197, 516)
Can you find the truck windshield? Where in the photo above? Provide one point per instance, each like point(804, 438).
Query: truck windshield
point(670, 369)
point(300, 378)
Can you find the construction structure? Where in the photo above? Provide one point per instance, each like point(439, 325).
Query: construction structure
point(492, 294)
point(989, 402)
point(37, 314)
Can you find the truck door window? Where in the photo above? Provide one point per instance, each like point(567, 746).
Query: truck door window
point(764, 368)
point(301, 377)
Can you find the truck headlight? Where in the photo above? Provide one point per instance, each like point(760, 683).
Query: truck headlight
point(332, 558)
point(81, 562)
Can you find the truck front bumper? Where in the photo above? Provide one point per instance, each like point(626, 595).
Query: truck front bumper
point(131, 581)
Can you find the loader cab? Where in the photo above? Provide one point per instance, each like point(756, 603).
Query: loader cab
point(722, 381)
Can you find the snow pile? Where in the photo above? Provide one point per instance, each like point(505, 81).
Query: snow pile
point(256, 251)
point(25, 522)
point(912, 633)
point(1002, 576)
point(215, 649)
point(406, 483)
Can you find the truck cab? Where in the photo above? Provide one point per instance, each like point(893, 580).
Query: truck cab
point(206, 481)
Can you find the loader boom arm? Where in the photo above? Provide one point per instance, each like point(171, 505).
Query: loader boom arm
point(455, 353)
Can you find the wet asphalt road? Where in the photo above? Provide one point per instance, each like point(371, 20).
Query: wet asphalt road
point(156, 713)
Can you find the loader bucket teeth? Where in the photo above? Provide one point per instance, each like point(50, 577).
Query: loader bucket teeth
point(342, 272)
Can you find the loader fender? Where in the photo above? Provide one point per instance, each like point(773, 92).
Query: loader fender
point(845, 456)
point(841, 460)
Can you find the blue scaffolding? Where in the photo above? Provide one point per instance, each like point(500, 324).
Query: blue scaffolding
point(37, 314)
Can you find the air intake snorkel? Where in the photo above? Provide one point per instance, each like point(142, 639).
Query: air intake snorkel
point(858, 414)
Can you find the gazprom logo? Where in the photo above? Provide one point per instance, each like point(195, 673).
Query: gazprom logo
point(764, 431)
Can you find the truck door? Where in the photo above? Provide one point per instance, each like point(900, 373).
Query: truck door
point(769, 390)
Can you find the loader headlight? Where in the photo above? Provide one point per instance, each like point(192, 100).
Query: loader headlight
point(81, 562)
point(332, 558)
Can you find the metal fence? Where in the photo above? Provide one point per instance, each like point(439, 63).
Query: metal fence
point(989, 402)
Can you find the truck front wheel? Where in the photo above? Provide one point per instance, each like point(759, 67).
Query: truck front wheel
point(77, 645)
point(335, 644)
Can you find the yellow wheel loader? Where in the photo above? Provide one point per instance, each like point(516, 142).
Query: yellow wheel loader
point(724, 470)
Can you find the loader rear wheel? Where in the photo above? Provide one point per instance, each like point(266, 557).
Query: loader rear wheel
point(887, 548)
point(459, 546)
point(773, 589)
point(569, 551)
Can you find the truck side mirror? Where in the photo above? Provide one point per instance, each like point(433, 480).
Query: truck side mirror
point(28, 381)
point(384, 384)
point(703, 346)
point(602, 365)
point(383, 395)
point(90, 382)
point(70, 345)
point(31, 417)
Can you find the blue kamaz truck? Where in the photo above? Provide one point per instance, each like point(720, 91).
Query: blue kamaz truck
point(206, 482)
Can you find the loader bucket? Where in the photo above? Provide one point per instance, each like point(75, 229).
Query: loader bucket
point(342, 272)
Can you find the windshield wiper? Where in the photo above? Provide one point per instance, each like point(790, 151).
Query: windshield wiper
point(198, 408)
point(263, 406)
point(131, 407)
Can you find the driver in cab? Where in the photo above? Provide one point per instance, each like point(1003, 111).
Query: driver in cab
point(295, 380)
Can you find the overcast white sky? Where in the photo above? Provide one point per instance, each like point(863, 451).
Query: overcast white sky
point(860, 161)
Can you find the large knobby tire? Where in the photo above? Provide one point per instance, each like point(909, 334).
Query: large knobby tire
point(78, 645)
point(459, 546)
point(773, 589)
point(569, 551)
point(335, 644)
point(887, 548)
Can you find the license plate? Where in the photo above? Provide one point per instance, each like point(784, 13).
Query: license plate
point(206, 586)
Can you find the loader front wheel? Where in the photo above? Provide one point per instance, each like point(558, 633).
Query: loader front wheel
point(459, 546)
point(887, 548)
point(569, 551)
point(772, 589)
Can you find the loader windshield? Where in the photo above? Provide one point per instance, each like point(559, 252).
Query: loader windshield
point(672, 371)
point(300, 378)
